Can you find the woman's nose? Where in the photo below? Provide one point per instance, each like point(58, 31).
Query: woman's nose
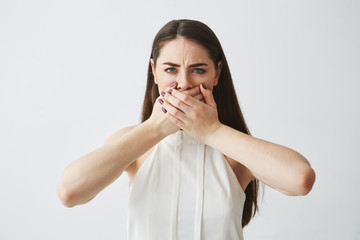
point(184, 81)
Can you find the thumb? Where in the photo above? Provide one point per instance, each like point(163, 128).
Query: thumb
point(209, 99)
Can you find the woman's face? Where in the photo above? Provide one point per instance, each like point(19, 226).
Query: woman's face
point(187, 63)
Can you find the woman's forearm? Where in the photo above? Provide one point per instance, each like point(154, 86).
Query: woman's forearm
point(84, 178)
point(275, 165)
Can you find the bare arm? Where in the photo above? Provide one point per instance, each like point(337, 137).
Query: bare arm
point(84, 178)
point(275, 165)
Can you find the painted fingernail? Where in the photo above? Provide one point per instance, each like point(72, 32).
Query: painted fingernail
point(161, 101)
point(163, 109)
point(163, 93)
point(172, 84)
point(170, 91)
point(204, 86)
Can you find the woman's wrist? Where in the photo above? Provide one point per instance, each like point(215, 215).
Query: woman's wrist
point(155, 128)
point(213, 133)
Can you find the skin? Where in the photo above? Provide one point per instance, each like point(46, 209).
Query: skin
point(192, 108)
point(290, 172)
point(185, 53)
point(186, 64)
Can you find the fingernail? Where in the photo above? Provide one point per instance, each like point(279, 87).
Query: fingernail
point(161, 101)
point(204, 86)
point(170, 91)
point(163, 93)
point(163, 109)
point(172, 84)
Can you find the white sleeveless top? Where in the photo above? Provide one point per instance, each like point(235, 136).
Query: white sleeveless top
point(185, 190)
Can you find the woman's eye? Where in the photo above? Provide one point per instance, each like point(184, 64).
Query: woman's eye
point(198, 70)
point(170, 70)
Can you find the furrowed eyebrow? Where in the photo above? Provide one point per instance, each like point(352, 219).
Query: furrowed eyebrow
point(198, 65)
point(192, 65)
point(171, 64)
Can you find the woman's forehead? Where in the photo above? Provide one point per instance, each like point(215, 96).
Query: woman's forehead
point(181, 50)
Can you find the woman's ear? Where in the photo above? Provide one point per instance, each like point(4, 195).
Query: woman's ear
point(153, 70)
point(218, 72)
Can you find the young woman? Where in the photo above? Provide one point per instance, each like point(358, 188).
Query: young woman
point(194, 168)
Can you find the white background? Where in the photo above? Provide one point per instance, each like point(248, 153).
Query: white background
point(74, 72)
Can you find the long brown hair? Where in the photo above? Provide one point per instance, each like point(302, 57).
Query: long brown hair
point(229, 112)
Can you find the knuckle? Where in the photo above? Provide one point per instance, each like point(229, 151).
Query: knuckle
point(177, 103)
point(196, 114)
point(201, 108)
point(176, 113)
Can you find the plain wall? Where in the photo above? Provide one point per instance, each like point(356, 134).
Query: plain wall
point(74, 72)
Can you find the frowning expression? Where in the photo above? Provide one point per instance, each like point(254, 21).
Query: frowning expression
point(185, 62)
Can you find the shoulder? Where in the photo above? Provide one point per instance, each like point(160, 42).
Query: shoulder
point(118, 134)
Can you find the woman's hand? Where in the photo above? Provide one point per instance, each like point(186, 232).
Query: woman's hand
point(197, 118)
point(158, 117)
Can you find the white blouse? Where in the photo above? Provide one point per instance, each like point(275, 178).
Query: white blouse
point(185, 190)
